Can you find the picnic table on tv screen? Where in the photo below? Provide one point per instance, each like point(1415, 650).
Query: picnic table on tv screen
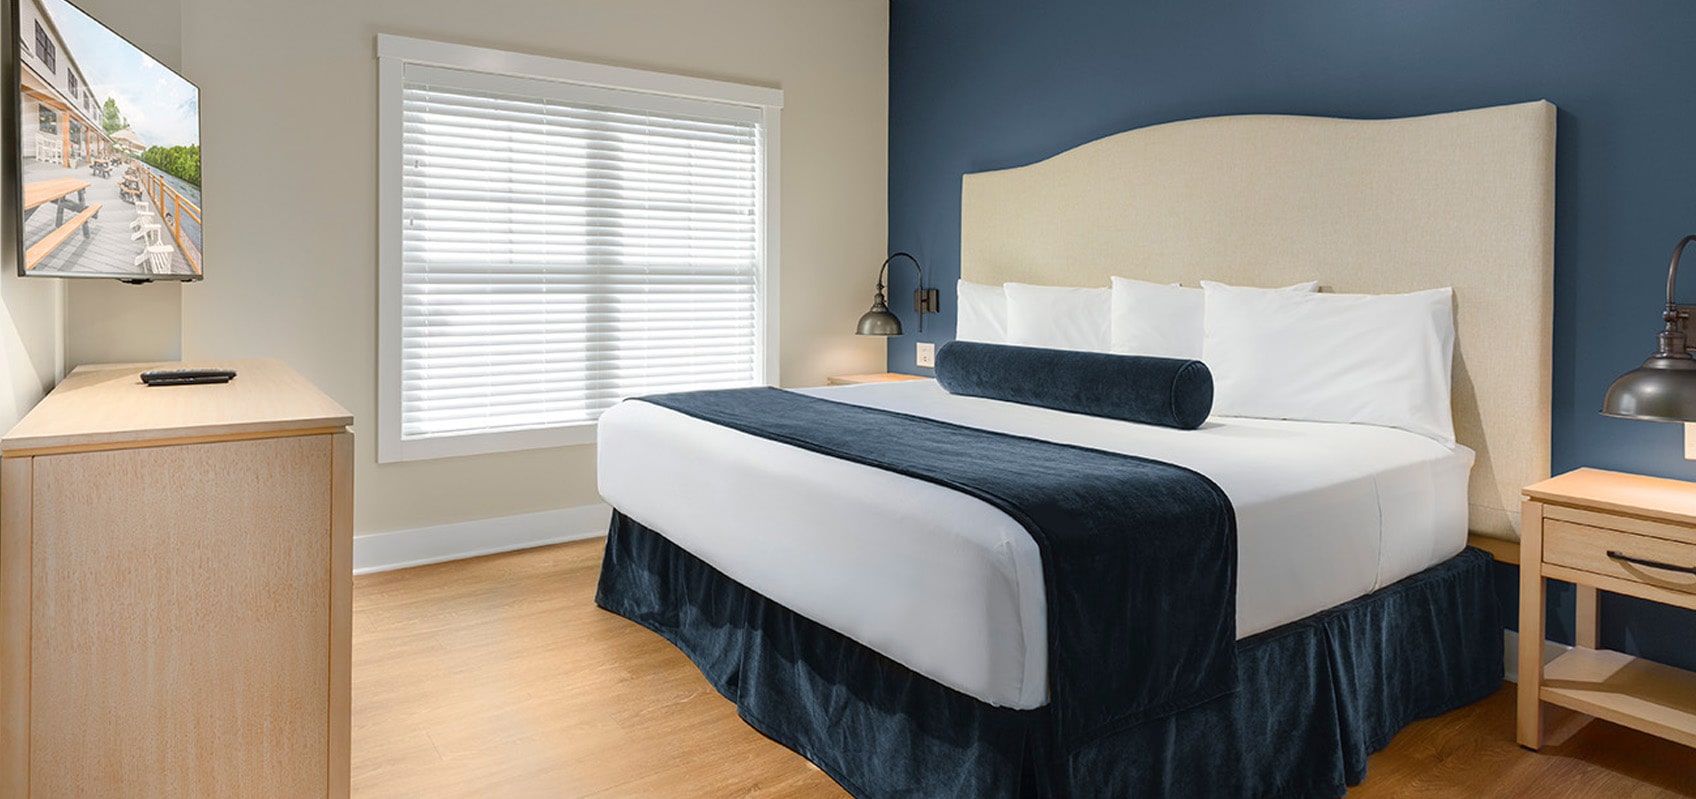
point(57, 191)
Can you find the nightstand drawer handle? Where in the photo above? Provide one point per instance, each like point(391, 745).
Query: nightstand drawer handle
point(1653, 564)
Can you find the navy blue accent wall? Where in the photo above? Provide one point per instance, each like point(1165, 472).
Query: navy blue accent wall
point(986, 84)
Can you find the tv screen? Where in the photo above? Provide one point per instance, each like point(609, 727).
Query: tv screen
point(107, 155)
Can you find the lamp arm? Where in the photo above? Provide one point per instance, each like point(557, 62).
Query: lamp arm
point(1672, 269)
point(883, 270)
point(1673, 338)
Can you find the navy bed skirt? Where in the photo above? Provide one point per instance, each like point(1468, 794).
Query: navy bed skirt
point(1315, 696)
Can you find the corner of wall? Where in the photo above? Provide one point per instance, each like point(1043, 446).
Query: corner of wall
point(32, 352)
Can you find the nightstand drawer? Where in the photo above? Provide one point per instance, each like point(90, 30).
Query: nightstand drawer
point(1587, 548)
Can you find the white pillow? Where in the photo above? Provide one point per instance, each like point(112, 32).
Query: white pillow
point(1360, 358)
point(1058, 318)
point(1163, 320)
point(981, 314)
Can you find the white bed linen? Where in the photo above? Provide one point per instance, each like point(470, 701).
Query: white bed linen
point(952, 588)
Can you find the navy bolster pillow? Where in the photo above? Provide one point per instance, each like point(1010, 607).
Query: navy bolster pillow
point(1170, 392)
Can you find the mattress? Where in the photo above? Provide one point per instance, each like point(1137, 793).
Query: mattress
point(952, 588)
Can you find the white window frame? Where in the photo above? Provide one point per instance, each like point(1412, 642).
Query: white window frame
point(393, 54)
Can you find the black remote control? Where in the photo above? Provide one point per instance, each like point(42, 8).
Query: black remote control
point(184, 377)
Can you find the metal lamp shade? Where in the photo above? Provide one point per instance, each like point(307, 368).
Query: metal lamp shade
point(879, 322)
point(1663, 389)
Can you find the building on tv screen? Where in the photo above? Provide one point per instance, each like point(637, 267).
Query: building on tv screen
point(111, 153)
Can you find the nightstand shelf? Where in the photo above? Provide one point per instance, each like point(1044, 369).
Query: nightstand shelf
point(1633, 692)
point(1621, 533)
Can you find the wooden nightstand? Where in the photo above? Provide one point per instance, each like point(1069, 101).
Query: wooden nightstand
point(1616, 532)
point(876, 377)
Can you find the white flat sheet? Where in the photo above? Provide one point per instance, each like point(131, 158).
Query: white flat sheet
point(952, 588)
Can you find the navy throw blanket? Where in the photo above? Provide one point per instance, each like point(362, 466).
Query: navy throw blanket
point(1139, 557)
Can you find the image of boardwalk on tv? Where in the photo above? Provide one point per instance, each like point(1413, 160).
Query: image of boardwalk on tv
point(111, 153)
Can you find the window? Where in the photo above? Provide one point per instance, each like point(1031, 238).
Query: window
point(71, 78)
point(48, 120)
point(558, 236)
point(44, 48)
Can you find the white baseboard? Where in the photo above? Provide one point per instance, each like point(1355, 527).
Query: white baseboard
point(401, 549)
point(1510, 653)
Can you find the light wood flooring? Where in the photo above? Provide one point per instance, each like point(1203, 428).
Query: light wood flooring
point(499, 678)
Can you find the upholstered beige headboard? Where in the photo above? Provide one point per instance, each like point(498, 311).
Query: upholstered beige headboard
point(1465, 199)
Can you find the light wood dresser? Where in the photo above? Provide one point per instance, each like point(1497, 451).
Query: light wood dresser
point(1621, 533)
point(175, 586)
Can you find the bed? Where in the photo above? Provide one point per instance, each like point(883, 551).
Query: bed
point(895, 631)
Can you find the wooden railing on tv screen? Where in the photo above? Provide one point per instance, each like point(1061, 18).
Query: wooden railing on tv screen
point(158, 191)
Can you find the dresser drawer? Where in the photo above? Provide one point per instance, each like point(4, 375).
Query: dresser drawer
point(1587, 548)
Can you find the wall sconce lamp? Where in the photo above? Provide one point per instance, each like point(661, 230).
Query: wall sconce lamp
point(879, 321)
point(1663, 389)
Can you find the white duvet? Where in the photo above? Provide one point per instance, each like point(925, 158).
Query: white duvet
point(952, 588)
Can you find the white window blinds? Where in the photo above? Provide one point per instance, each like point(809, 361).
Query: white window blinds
point(564, 246)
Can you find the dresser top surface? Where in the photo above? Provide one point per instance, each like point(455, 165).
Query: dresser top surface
point(99, 406)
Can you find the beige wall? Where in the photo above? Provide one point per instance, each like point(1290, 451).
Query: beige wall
point(111, 322)
point(288, 94)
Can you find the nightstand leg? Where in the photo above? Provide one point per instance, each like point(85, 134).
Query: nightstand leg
point(1531, 626)
point(1584, 633)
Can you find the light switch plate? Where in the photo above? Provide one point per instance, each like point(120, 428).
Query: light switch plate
point(925, 355)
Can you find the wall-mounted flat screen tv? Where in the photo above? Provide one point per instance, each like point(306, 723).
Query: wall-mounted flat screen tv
point(104, 149)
